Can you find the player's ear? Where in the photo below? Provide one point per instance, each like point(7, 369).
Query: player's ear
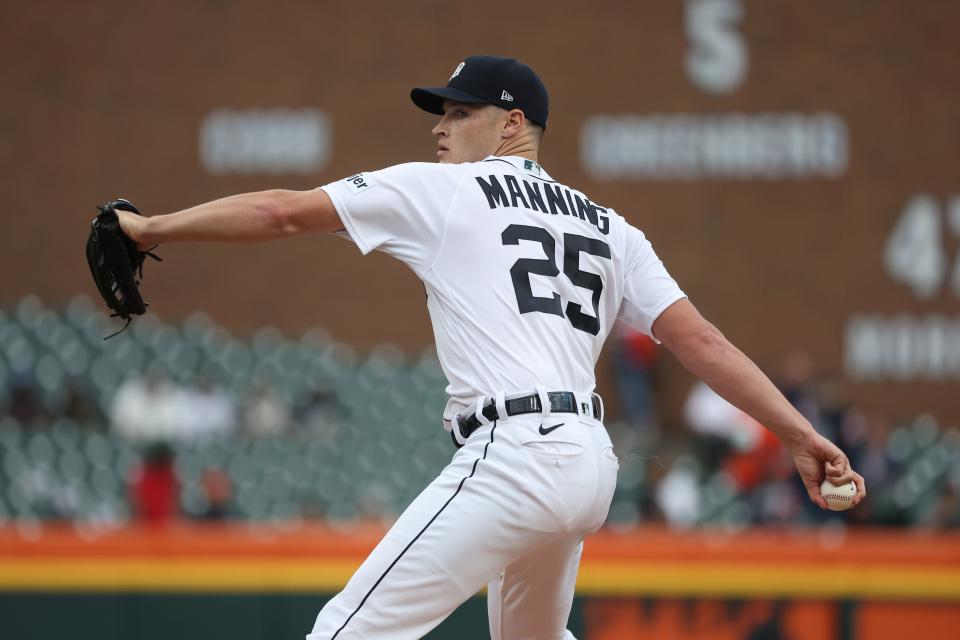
point(514, 123)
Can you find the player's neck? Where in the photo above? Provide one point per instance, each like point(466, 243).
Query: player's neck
point(521, 147)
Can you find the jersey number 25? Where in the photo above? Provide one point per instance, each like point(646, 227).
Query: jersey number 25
point(573, 245)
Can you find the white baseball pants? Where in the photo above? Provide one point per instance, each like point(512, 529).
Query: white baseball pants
point(510, 512)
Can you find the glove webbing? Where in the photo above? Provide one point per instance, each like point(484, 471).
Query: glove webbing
point(148, 252)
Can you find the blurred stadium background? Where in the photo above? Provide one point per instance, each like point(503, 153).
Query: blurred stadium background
point(222, 466)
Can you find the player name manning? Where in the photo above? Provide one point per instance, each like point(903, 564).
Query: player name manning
point(552, 199)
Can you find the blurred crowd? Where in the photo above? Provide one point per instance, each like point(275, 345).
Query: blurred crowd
point(153, 408)
point(153, 417)
point(722, 466)
point(360, 439)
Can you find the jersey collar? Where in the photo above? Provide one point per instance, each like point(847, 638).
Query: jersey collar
point(527, 166)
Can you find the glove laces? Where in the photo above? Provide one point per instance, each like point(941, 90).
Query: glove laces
point(129, 318)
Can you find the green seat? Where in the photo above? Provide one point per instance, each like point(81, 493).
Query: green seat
point(105, 483)
point(900, 445)
point(252, 502)
point(624, 512)
point(40, 449)
point(73, 467)
point(925, 431)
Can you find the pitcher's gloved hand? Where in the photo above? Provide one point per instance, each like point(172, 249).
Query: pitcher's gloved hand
point(116, 262)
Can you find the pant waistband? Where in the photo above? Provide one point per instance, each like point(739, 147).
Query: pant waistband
point(465, 424)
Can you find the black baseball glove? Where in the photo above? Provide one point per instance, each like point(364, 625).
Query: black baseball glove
point(116, 263)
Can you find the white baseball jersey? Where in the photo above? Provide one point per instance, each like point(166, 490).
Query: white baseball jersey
point(524, 276)
point(524, 279)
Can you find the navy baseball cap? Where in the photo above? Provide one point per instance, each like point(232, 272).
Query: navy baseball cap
point(502, 82)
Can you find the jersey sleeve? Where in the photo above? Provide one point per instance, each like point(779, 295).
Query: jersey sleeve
point(647, 287)
point(401, 210)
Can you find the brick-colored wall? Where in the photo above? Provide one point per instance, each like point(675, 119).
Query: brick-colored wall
point(104, 99)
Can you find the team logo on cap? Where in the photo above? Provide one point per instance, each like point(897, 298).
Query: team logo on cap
point(457, 70)
point(506, 96)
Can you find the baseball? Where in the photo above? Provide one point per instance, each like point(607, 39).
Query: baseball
point(838, 498)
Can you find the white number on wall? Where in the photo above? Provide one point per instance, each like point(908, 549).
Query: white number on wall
point(717, 60)
point(953, 221)
point(914, 254)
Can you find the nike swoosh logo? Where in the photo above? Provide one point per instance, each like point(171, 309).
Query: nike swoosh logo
point(544, 432)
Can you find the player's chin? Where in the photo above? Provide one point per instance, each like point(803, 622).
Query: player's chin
point(461, 154)
point(447, 156)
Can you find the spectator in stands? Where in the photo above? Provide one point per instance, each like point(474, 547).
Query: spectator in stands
point(796, 382)
point(144, 410)
point(81, 407)
point(868, 433)
point(154, 488)
point(822, 401)
point(25, 405)
point(634, 360)
point(321, 413)
point(218, 491)
point(945, 513)
point(266, 413)
point(204, 411)
point(677, 494)
point(863, 437)
point(734, 441)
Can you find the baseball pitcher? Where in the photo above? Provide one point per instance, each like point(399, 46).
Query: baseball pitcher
point(525, 276)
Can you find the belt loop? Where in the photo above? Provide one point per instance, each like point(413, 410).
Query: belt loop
point(600, 402)
point(478, 410)
point(545, 407)
point(501, 402)
point(457, 433)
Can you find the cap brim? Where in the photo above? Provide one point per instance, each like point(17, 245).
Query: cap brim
point(431, 99)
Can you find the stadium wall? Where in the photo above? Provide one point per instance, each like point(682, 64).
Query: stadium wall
point(256, 581)
point(793, 163)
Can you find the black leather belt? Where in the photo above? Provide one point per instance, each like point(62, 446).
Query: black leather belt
point(560, 402)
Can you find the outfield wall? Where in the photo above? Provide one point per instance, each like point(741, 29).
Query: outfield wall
point(652, 584)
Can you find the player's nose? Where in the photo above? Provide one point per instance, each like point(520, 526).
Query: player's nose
point(439, 130)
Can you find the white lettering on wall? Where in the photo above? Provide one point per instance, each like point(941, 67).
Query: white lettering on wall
point(902, 348)
point(770, 146)
point(270, 141)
